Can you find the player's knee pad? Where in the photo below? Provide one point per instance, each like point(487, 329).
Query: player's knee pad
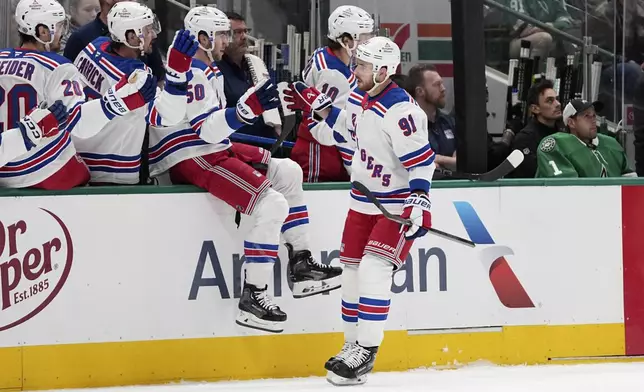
point(272, 208)
point(350, 283)
point(286, 175)
point(374, 277)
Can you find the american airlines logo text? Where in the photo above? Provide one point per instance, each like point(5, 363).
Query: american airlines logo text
point(431, 264)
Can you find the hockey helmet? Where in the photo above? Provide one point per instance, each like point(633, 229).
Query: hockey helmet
point(129, 15)
point(31, 13)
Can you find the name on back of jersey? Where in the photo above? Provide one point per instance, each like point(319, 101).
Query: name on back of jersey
point(91, 73)
point(19, 68)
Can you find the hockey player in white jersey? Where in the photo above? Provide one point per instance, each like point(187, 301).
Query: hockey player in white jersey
point(32, 74)
point(32, 130)
point(395, 161)
point(114, 155)
point(329, 71)
point(199, 152)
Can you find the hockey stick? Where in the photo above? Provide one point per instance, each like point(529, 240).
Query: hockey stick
point(505, 168)
point(289, 118)
point(289, 126)
point(251, 139)
point(397, 218)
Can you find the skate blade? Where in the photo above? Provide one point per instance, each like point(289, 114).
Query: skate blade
point(249, 320)
point(339, 381)
point(314, 287)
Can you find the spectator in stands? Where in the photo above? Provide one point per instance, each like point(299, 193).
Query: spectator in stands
point(426, 86)
point(80, 13)
point(551, 12)
point(237, 77)
point(626, 33)
point(581, 152)
point(545, 113)
point(98, 28)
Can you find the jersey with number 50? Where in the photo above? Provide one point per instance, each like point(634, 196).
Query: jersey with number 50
point(205, 129)
point(329, 75)
point(27, 78)
point(393, 155)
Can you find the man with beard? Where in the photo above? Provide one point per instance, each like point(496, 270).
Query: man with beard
point(237, 76)
point(582, 152)
point(545, 109)
point(425, 84)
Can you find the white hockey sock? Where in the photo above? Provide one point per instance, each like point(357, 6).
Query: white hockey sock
point(350, 302)
point(262, 243)
point(374, 282)
point(286, 177)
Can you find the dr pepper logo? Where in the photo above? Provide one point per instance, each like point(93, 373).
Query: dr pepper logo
point(36, 254)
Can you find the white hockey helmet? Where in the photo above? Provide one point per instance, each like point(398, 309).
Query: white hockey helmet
point(208, 19)
point(380, 52)
point(352, 20)
point(31, 13)
point(129, 15)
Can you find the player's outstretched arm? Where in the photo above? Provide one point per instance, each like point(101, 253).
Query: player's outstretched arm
point(214, 124)
point(552, 162)
point(327, 123)
point(32, 129)
point(169, 107)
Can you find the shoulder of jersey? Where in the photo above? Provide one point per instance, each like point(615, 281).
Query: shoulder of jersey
point(48, 60)
point(113, 65)
point(210, 72)
point(324, 59)
point(391, 97)
point(559, 139)
point(355, 97)
point(611, 142)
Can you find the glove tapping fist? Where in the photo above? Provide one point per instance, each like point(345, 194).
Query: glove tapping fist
point(42, 123)
point(256, 100)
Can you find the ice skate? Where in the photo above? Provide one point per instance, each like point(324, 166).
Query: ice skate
point(348, 346)
point(257, 310)
point(352, 366)
point(310, 277)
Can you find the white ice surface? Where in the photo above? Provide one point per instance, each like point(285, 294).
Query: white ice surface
point(614, 377)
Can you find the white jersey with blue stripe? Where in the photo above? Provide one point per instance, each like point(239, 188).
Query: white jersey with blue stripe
point(329, 75)
point(393, 155)
point(204, 130)
point(27, 78)
point(114, 154)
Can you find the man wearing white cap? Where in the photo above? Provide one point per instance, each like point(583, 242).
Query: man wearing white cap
point(581, 152)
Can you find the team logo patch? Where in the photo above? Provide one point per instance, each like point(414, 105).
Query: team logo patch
point(548, 144)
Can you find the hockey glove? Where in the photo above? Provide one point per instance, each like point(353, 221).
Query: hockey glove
point(256, 100)
point(42, 123)
point(130, 93)
point(305, 98)
point(416, 210)
point(180, 56)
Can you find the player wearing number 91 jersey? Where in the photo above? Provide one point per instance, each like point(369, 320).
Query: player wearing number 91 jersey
point(31, 75)
point(396, 163)
point(329, 71)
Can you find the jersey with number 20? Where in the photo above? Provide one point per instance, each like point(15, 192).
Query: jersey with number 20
point(27, 78)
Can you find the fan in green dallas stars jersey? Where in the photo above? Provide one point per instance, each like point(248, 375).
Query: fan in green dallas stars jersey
point(582, 152)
